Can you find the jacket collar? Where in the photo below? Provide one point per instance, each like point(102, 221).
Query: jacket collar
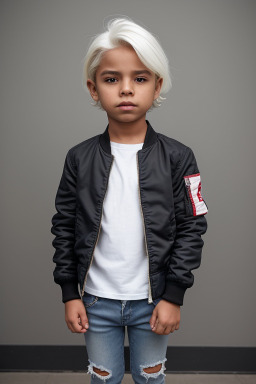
point(150, 138)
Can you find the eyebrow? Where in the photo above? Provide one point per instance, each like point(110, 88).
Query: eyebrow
point(108, 72)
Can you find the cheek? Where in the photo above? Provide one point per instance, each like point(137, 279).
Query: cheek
point(105, 94)
point(146, 98)
point(146, 92)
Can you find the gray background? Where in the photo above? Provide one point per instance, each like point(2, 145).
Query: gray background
point(45, 111)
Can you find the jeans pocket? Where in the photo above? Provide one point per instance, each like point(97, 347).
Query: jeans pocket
point(89, 300)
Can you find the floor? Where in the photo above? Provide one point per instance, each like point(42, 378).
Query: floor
point(83, 378)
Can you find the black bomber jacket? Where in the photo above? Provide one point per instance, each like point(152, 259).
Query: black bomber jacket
point(173, 213)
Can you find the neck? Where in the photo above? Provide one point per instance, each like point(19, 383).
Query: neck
point(126, 132)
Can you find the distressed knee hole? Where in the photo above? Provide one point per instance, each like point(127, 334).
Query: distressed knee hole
point(153, 369)
point(99, 371)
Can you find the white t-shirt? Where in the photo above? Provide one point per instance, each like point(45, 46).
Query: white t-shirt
point(119, 269)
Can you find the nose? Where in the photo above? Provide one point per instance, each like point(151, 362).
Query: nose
point(126, 88)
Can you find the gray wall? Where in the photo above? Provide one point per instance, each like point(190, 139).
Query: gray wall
point(45, 111)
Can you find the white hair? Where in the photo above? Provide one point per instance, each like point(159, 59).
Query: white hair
point(123, 31)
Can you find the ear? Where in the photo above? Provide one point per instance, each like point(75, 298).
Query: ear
point(92, 89)
point(158, 87)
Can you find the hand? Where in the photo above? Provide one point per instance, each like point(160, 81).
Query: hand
point(165, 318)
point(75, 316)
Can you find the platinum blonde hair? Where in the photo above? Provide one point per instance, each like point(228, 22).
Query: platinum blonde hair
point(123, 31)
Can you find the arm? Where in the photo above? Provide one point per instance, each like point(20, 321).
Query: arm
point(190, 209)
point(190, 226)
point(63, 227)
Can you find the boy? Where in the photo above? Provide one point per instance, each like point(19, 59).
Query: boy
point(130, 214)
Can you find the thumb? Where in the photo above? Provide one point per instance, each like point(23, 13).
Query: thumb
point(84, 319)
point(152, 320)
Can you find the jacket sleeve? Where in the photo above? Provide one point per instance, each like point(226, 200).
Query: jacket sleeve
point(191, 224)
point(63, 227)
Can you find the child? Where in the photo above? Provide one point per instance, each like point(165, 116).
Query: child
point(130, 214)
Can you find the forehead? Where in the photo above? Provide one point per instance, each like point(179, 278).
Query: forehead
point(121, 59)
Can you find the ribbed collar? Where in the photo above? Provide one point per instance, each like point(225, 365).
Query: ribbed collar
point(150, 138)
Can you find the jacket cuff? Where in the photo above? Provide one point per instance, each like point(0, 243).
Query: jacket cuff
point(70, 291)
point(174, 293)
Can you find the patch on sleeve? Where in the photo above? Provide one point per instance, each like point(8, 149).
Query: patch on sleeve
point(193, 187)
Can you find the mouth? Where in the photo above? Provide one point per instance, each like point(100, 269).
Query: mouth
point(126, 105)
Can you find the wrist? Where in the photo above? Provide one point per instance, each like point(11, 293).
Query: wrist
point(173, 304)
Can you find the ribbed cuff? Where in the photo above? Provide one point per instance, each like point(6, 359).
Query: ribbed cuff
point(174, 293)
point(70, 291)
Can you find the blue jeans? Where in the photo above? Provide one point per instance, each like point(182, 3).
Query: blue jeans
point(105, 340)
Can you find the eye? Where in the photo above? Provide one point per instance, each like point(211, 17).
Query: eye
point(141, 79)
point(109, 80)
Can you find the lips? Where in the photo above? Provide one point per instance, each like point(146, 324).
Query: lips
point(126, 103)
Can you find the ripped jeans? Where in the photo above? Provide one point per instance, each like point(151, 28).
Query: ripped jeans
point(105, 340)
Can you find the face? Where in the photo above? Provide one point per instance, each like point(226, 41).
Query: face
point(122, 78)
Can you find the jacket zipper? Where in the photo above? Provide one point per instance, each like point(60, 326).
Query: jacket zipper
point(98, 230)
point(150, 300)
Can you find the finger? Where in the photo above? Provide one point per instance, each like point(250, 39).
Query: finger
point(168, 330)
point(84, 320)
point(174, 328)
point(153, 320)
point(75, 327)
point(156, 325)
point(83, 326)
point(159, 329)
point(70, 326)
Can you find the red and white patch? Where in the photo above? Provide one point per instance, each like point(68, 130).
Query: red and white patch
point(193, 184)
